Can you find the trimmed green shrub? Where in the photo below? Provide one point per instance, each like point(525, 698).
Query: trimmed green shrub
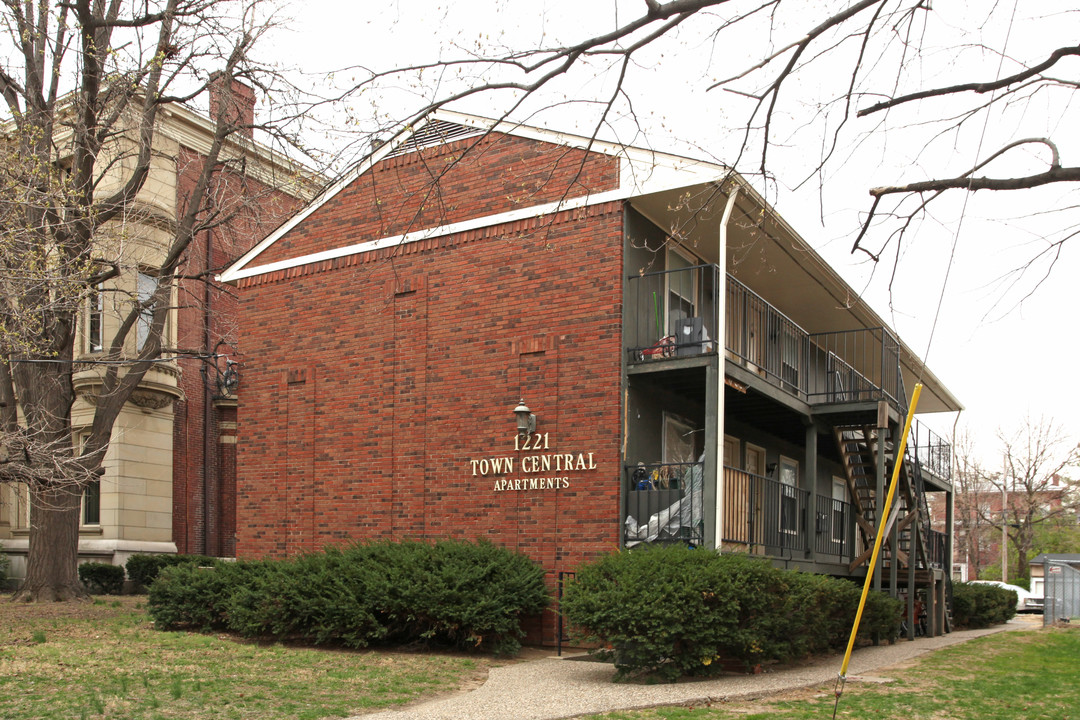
point(673, 611)
point(455, 593)
point(321, 598)
point(979, 606)
point(461, 594)
point(102, 578)
point(143, 569)
point(190, 596)
point(5, 563)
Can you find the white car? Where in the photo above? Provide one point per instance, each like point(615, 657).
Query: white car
point(1022, 595)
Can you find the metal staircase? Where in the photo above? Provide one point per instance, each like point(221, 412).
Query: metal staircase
point(858, 445)
point(907, 533)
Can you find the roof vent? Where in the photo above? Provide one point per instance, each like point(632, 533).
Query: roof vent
point(436, 132)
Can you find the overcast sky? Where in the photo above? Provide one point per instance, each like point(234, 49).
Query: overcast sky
point(1006, 351)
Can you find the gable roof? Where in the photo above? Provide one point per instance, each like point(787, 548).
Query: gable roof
point(641, 171)
point(660, 185)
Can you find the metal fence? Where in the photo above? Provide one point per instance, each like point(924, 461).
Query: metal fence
point(664, 504)
point(1062, 593)
point(853, 366)
point(834, 527)
point(671, 313)
point(932, 452)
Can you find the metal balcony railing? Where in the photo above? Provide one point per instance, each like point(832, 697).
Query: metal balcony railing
point(933, 453)
point(834, 528)
point(763, 339)
point(764, 514)
point(935, 550)
point(673, 313)
point(770, 517)
point(854, 366)
point(664, 503)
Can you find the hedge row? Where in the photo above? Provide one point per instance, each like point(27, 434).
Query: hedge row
point(102, 578)
point(460, 594)
point(143, 569)
point(673, 611)
point(979, 606)
point(4, 564)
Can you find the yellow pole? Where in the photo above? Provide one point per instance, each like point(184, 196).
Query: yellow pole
point(881, 527)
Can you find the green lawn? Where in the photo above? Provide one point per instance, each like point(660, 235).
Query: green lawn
point(105, 660)
point(1029, 675)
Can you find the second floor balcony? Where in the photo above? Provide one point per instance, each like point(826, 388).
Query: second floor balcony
point(674, 314)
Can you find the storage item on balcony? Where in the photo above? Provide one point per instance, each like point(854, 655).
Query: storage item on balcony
point(691, 337)
point(671, 514)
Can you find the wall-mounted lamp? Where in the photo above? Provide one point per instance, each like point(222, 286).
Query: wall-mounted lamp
point(770, 469)
point(526, 421)
point(228, 379)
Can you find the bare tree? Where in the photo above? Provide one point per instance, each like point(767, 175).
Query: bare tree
point(1029, 494)
point(85, 83)
point(1035, 488)
point(853, 71)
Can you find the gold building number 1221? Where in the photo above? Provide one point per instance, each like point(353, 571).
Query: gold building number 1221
point(531, 441)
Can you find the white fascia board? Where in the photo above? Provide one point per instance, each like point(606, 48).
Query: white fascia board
point(236, 272)
point(641, 172)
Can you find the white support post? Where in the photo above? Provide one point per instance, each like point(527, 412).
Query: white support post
point(721, 360)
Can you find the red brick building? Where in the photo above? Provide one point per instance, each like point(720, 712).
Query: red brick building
point(250, 204)
point(977, 524)
point(469, 269)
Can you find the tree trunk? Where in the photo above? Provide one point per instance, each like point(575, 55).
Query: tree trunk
point(1022, 568)
point(52, 561)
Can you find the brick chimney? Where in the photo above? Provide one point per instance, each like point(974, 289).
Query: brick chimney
point(236, 107)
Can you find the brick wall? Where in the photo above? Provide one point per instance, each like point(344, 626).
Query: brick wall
point(448, 183)
point(373, 382)
point(204, 434)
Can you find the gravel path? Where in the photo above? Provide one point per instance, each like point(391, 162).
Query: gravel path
point(553, 688)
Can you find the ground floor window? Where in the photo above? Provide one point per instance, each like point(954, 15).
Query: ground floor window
point(91, 504)
point(789, 495)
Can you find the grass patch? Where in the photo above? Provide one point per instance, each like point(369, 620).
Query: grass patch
point(1032, 675)
point(105, 661)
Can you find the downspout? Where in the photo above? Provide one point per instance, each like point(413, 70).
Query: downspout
point(721, 360)
point(207, 400)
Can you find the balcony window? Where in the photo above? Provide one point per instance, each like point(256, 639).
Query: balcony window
point(678, 440)
point(146, 289)
point(95, 321)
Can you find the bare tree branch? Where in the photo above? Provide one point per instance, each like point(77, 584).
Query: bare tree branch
point(980, 87)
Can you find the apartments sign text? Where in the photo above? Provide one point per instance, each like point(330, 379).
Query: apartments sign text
point(539, 470)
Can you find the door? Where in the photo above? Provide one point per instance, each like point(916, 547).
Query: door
point(681, 289)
